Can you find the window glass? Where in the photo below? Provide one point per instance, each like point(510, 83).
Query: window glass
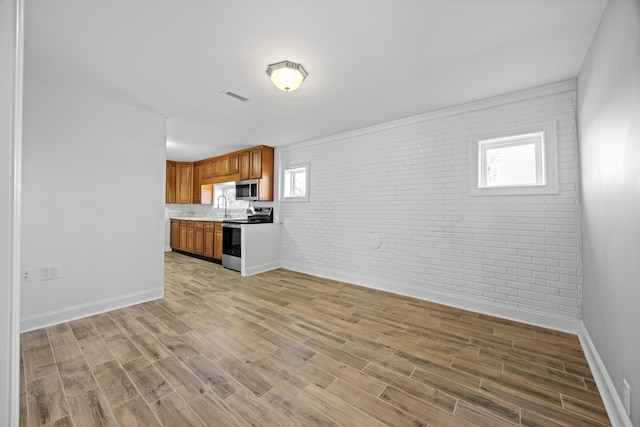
point(228, 190)
point(522, 162)
point(511, 161)
point(294, 183)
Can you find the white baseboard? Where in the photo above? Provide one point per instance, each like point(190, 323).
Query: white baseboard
point(255, 269)
point(541, 319)
point(615, 409)
point(167, 248)
point(43, 320)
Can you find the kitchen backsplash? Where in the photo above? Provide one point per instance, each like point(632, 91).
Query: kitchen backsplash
point(197, 210)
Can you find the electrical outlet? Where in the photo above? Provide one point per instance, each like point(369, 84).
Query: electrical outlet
point(26, 275)
point(50, 272)
point(626, 396)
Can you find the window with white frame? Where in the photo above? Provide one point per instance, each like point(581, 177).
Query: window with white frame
point(295, 182)
point(228, 190)
point(521, 162)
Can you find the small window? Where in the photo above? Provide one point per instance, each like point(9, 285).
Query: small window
point(295, 183)
point(228, 190)
point(511, 161)
point(520, 163)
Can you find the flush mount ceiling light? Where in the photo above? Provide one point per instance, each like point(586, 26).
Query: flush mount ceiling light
point(286, 75)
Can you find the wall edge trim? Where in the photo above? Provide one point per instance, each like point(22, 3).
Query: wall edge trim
point(606, 387)
point(526, 94)
point(67, 314)
point(541, 319)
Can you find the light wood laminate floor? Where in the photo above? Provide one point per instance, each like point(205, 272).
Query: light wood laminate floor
point(288, 349)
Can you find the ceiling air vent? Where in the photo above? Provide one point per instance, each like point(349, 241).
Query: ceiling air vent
point(235, 96)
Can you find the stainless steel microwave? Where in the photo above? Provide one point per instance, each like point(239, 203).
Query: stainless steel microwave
point(248, 189)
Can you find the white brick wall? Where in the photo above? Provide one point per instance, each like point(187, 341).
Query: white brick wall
point(407, 184)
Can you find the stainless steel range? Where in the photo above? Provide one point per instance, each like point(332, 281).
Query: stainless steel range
point(232, 235)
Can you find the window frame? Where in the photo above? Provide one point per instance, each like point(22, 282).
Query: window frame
point(546, 160)
point(285, 182)
point(230, 204)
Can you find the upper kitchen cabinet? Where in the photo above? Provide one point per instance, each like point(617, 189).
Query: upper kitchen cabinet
point(210, 168)
point(170, 194)
point(221, 166)
point(228, 165)
point(244, 165)
point(179, 182)
point(193, 182)
point(256, 162)
point(197, 178)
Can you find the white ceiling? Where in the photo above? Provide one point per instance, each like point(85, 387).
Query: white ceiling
point(369, 61)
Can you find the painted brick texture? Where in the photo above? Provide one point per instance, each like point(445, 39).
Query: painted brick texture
point(390, 208)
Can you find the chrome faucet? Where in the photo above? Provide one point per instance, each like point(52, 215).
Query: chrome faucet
point(226, 215)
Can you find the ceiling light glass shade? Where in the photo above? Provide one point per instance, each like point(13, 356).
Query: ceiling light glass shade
point(286, 75)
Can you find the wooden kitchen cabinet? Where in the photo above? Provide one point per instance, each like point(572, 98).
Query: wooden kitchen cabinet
point(184, 182)
point(251, 163)
point(208, 239)
point(198, 237)
point(257, 163)
point(185, 179)
point(203, 238)
point(179, 182)
point(190, 237)
point(221, 166)
point(234, 166)
point(217, 245)
point(197, 182)
point(170, 188)
point(228, 165)
point(210, 168)
point(175, 234)
point(244, 165)
point(182, 245)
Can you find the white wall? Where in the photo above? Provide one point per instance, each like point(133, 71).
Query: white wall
point(406, 186)
point(93, 202)
point(10, 99)
point(609, 123)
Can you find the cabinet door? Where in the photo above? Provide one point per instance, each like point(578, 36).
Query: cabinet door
point(190, 237)
point(206, 169)
point(198, 238)
point(175, 234)
point(183, 236)
point(184, 183)
point(228, 165)
point(233, 164)
point(244, 165)
point(208, 239)
point(223, 166)
point(217, 245)
point(170, 196)
point(210, 168)
point(215, 167)
point(256, 164)
point(197, 178)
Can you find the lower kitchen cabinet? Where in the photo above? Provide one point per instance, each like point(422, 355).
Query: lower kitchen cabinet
point(183, 236)
point(175, 234)
point(202, 238)
point(217, 246)
point(190, 237)
point(198, 237)
point(208, 240)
